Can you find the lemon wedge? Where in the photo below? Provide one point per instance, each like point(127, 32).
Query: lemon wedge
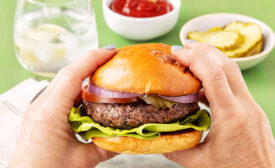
point(45, 32)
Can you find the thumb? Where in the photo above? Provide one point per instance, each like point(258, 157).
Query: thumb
point(95, 154)
point(67, 84)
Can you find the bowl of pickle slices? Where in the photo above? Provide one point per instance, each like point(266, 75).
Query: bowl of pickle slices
point(244, 39)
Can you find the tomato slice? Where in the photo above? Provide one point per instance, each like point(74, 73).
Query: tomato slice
point(86, 95)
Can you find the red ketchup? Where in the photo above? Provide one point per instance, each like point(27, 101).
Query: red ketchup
point(141, 8)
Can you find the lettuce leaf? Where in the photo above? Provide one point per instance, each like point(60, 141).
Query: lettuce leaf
point(85, 126)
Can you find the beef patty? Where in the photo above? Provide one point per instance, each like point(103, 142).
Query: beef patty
point(131, 115)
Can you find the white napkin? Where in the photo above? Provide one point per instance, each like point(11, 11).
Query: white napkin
point(14, 102)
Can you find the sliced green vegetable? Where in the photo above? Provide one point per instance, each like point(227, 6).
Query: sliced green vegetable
point(157, 101)
point(85, 125)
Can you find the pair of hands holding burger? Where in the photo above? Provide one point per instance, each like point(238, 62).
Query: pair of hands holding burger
point(144, 99)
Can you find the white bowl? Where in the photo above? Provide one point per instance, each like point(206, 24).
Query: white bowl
point(205, 22)
point(141, 28)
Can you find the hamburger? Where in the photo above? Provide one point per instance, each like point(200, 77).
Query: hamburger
point(141, 101)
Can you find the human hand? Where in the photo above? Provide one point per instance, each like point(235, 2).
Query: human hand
point(240, 135)
point(46, 138)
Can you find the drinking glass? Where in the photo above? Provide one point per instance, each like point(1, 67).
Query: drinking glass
point(50, 34)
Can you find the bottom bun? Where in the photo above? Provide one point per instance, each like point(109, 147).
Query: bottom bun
point(164, 144)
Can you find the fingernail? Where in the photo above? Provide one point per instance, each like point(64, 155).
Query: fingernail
point(109, 47)
point(176, 48)
point(190, 41)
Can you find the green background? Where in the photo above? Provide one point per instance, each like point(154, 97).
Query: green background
point(260, 79)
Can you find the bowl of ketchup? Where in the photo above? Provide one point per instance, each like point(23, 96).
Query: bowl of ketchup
point(141, 19)
point(141, 8)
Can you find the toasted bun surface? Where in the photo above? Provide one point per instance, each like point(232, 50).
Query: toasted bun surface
point(146, 69)
point(163, 144)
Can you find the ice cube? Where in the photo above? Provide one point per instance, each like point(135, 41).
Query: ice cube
point(70, 43)
point(43, 52)
point(51, 12)
point(71, 49)
point(66, 37)
point(81, 28)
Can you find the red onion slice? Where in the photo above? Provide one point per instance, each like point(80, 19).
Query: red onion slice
point(183, 99)
point(112, 94)
point(108, 93)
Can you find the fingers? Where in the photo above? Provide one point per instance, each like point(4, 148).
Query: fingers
point(67, 84)
point(214, 81)
point(230, 68)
